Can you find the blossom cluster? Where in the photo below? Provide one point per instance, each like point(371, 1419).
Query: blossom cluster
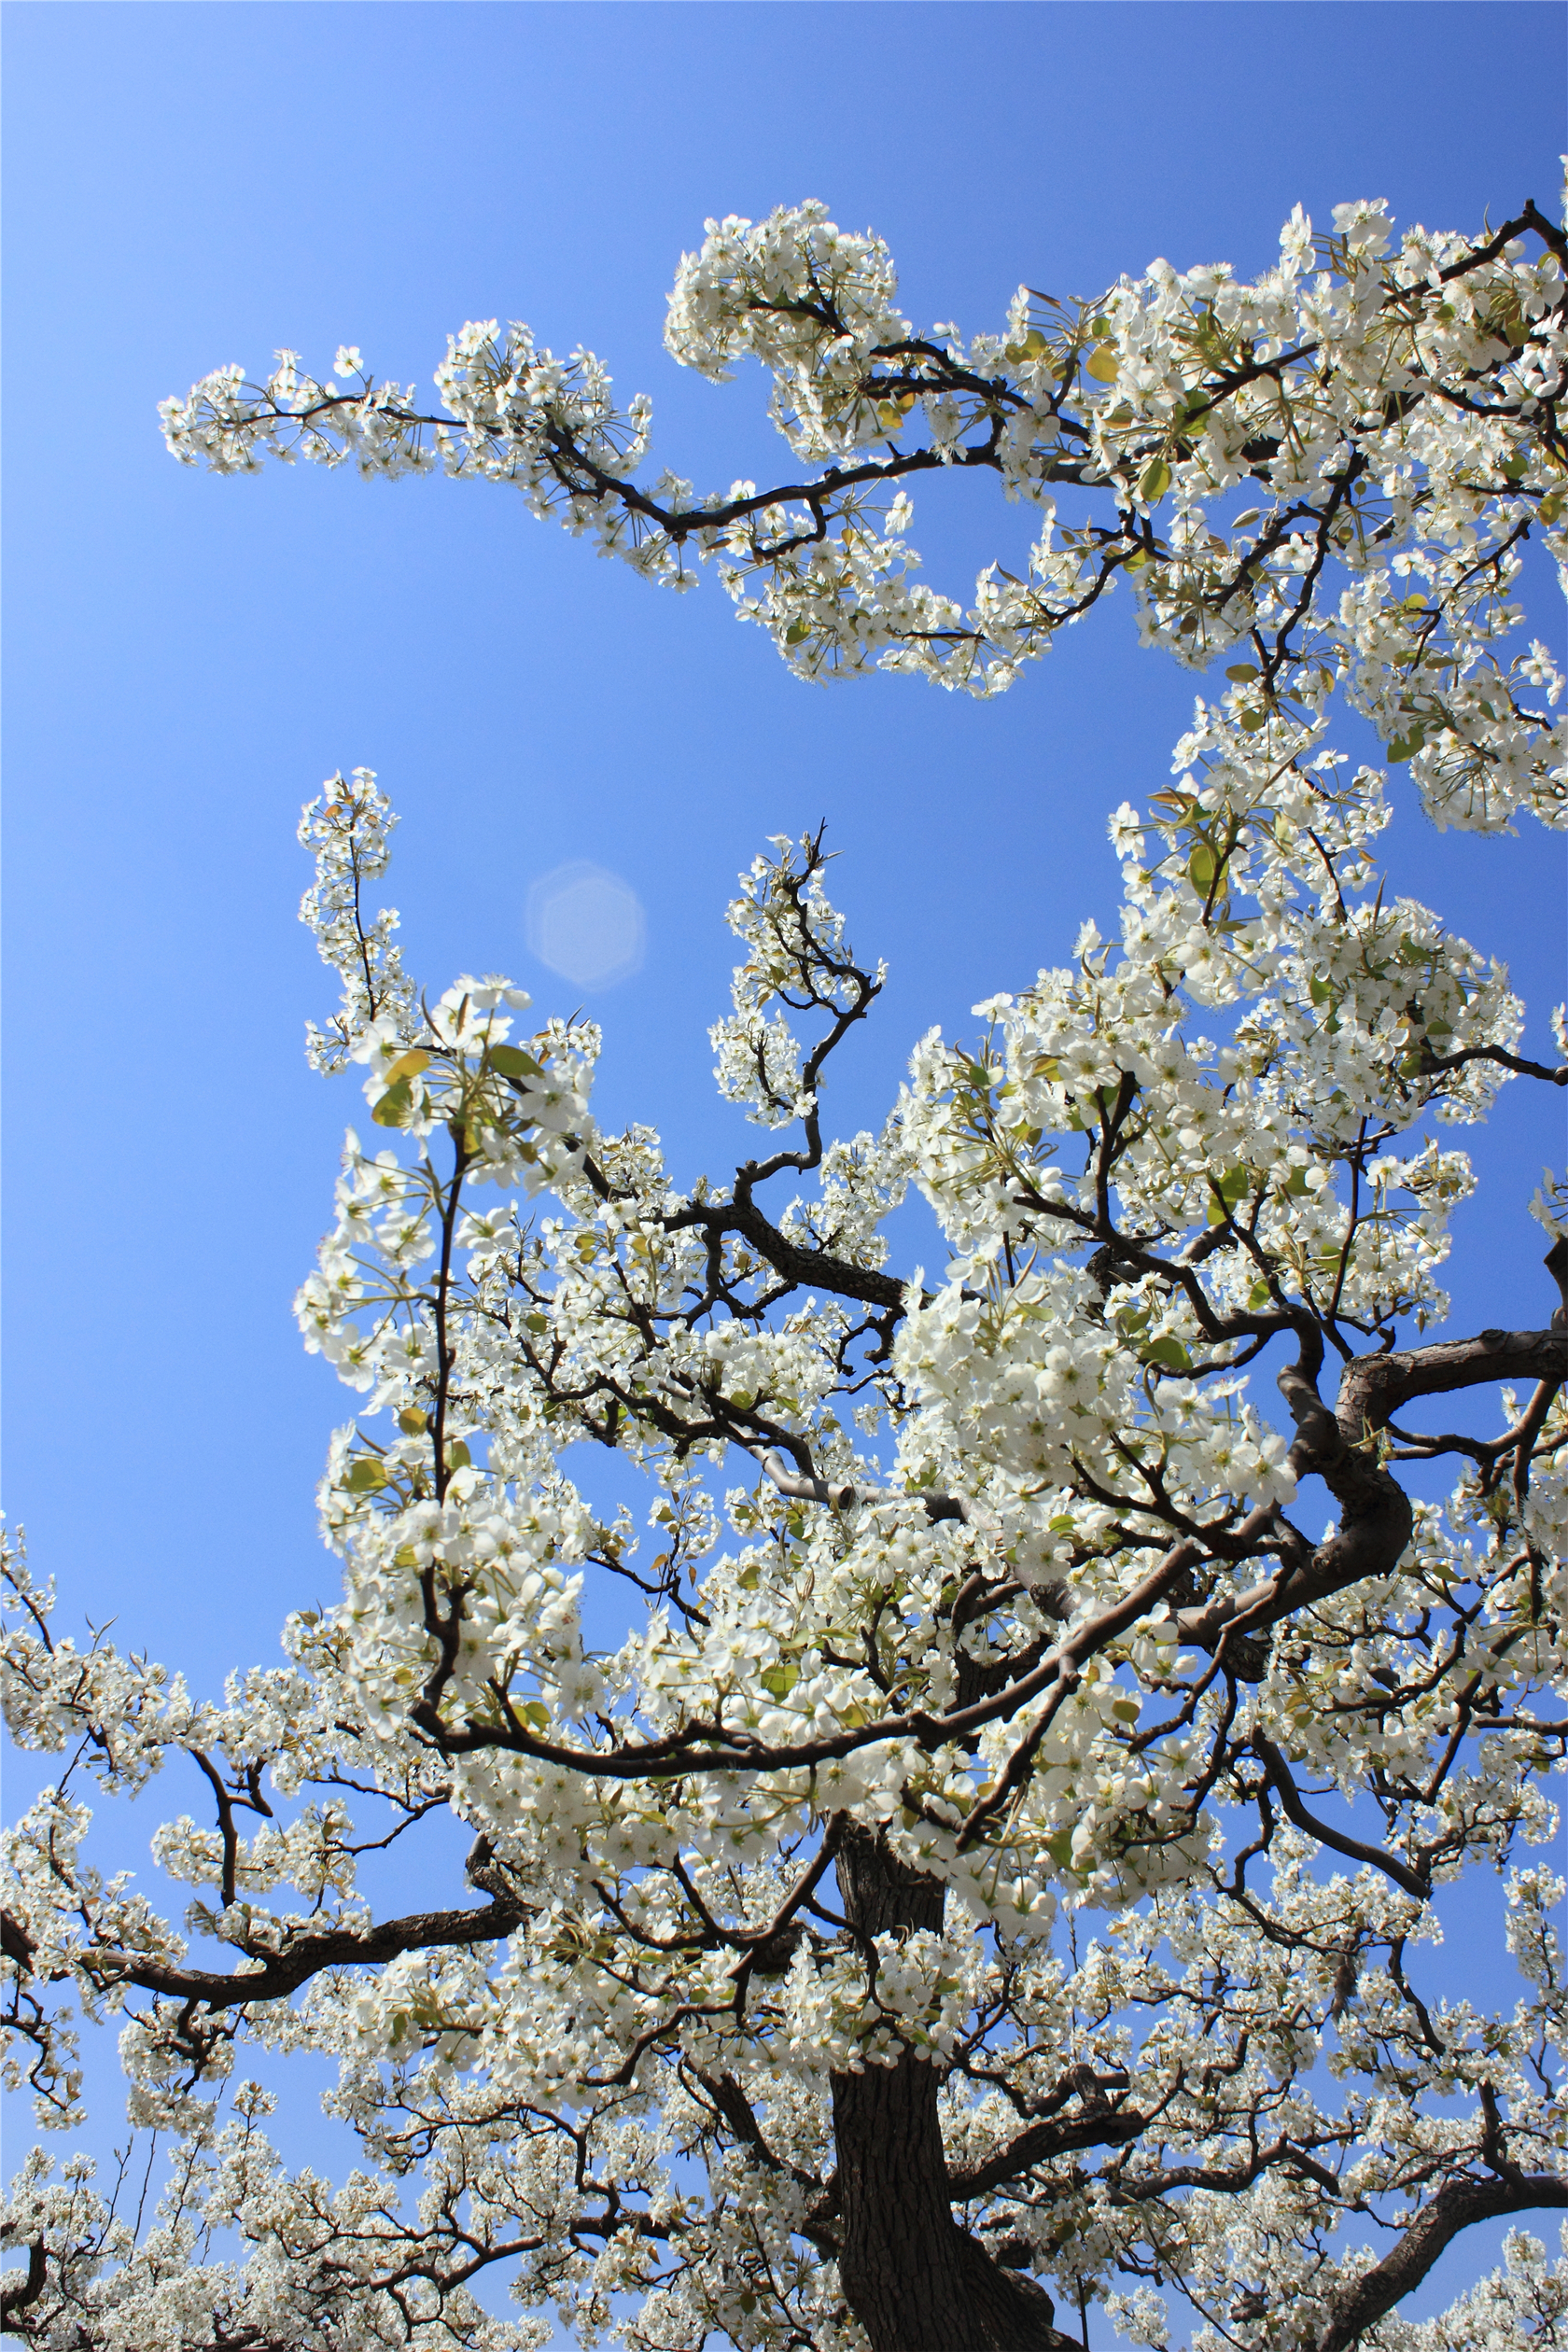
point(964, 1716)
point(969, 1601)
point(1391, 409)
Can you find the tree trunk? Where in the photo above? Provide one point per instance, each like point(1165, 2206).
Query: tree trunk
point(914, 2280)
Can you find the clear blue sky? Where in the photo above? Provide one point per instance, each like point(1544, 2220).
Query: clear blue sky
point(187, 658)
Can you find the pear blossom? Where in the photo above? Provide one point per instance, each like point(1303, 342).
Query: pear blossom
point(965, 1845)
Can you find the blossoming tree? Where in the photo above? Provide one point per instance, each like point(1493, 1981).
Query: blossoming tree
point(938, 1895)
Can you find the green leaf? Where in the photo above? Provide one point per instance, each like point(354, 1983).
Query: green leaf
point(1319, 990)
point(393, 1106)
point(1155, 481)
point(457, 1455)
point(1202, 866)
point(1059, 1848)
point(534, 1710)
point(537, 1323)
point(1125, 1710)
point(1170, 1354)
point(780, 1679)
point(1403, 746)
point(409, 1065)
point(365, 1475)
point(412, 1422)
point(512, 1062)
point(1258, 1297)
point(1104, 364)
point(797, 633)
point(1242, 671)
point(1250, 720)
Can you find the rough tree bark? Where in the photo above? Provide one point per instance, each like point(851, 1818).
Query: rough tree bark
point(915, 2279)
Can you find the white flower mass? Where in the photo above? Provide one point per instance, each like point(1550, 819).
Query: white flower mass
point(997, 1793)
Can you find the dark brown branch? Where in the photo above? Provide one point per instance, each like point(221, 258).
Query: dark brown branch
point(1459, 2204)
point(335, 1948)
point(1284, 1787)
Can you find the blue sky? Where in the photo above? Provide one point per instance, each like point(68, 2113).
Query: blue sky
point(187, 658)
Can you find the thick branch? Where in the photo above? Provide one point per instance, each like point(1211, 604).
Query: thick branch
point(1458, 2205)
point(1115, 2127)
point(286, 1971)
point(1374, 1388)
point(1339, 1447)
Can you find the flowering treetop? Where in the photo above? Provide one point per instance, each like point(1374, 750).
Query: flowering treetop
point(987, 1852)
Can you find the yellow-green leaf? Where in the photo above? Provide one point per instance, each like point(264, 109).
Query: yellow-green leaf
point(1157, 480)
point(1104, 364)
point(394, 1105)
